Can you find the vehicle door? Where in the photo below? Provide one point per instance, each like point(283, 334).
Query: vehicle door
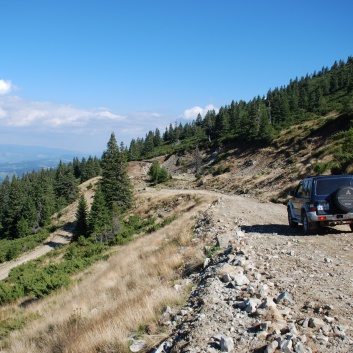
point(298, 199)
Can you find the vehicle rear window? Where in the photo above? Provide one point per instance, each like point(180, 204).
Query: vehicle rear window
point(328, 186)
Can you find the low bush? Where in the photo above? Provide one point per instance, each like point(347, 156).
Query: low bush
point(157, 173)
point(38, 279)
point(221, 170)
point(157, 226)
point(321, 168)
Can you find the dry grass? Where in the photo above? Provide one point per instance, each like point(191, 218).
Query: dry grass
point(117, 297)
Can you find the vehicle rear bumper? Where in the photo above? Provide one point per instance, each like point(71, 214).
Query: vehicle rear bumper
point(346, 218)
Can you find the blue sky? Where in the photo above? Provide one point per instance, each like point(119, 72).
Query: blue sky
point(73, 71)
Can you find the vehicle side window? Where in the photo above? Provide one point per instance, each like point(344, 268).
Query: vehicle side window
point(299, 191)
point(306, 188)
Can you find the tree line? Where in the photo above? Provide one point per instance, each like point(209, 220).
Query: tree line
point(262, 118)
point(28, 202)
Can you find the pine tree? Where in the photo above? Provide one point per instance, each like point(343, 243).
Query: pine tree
point(83, 171)
point(222, 124)
point(44, 196)
point(198, 120)
point(77, 167)
point(81, 224)
point(13, 212)
point(65, 184)
point(157, 140)
point(98, 218)
point(4, 204)
point(133, 151)
point(209, 123)
point(149, 144)
point(22, 228)
point(116, 186)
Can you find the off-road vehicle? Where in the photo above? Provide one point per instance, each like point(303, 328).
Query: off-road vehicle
point(322, 201)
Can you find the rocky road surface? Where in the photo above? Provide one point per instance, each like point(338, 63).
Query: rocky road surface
point(270, 289)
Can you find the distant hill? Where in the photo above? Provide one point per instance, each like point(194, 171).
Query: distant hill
point(17, 159)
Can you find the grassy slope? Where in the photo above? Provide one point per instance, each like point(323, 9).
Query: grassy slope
point(117, 298)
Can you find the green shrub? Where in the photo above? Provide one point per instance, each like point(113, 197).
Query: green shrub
point(157, 173)
point(221, 170)
point(218, 171)
point(321, 168)
point(165, 222)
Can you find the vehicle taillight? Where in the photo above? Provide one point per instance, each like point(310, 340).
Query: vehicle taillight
point(322, 218)
point(312, 207)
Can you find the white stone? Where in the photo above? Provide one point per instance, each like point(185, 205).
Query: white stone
point(286, 346)
point(267, 303)
point(227, 344)
point(271, 348)
point(240, 280)
point(226, 278)
point(239, 233)
point(286, 298)
point(138, 345)
point(315, 322)
point(252, 304)
point(322, 338)
point(262, 290)
point(299, 347)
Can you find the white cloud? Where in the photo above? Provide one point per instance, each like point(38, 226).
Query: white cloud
point(5, 87)
point(191, 114)
point(46, 123)
point(49, 124)
point(15, 111)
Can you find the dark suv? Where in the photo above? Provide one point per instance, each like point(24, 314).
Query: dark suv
point(322, 201)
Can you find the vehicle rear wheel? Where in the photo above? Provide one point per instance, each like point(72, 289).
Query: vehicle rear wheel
point(292, 223)
point(306, 224)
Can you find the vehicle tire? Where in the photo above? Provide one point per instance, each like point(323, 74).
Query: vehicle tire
point(343, 198)
point(306, 224)
point(292, 223)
